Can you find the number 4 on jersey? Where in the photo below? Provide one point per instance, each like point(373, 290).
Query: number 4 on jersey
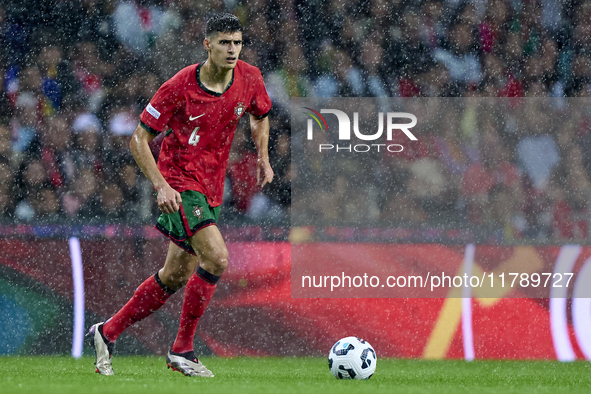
point(194, 139)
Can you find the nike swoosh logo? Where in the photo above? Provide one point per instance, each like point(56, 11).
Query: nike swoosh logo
point(195, 117)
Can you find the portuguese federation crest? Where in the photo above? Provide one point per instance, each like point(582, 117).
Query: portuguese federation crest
point(198, 212)
point(239, 110)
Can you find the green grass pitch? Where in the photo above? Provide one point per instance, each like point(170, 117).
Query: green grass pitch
point(48, 375)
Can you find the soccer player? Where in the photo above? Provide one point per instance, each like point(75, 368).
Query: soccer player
point(198, 109)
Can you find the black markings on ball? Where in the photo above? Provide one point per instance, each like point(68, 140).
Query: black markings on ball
point(350, 371)
point(365, 361)
point(342, 352)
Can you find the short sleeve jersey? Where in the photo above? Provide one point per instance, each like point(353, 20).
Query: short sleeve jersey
point(200, 125)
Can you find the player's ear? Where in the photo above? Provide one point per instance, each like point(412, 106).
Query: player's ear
point(207, 44)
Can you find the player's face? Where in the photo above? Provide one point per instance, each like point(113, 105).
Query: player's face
point(224, 48)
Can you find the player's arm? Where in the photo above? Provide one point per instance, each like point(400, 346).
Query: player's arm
point(168, 198)
point(260, 135)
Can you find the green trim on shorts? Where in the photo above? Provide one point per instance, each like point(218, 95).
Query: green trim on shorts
point(194, 214)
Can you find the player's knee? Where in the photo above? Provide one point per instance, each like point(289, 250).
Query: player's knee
point(218, 260)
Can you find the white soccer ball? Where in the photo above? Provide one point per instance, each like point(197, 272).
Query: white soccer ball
point(352, 358)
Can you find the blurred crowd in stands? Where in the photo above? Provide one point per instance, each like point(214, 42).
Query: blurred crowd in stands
point(75, 75)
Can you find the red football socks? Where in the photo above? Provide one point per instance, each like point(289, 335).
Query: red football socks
point(148, 297)
point(198, 292)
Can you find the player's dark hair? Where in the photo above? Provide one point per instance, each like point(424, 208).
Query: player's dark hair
point(223, 23)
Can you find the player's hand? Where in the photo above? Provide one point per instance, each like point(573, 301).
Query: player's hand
point(169, 200)
point(264, 172)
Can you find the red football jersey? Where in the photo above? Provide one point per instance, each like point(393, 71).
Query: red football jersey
point(201, 125)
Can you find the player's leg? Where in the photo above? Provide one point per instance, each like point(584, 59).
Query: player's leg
point(147, 298)
point(213, 260)
point(154, 292)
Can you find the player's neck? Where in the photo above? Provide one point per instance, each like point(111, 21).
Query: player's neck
point(215, 78)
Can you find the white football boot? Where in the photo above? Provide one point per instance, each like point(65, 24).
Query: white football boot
point(103, 350)
point(187, 364)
